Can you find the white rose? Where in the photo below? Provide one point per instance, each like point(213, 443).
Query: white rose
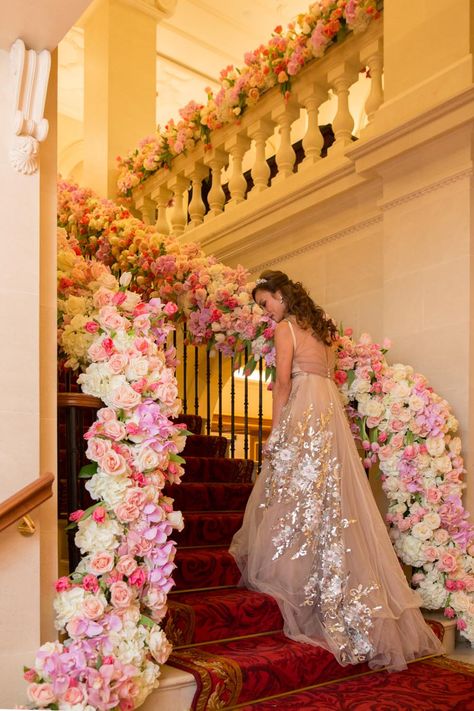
point(435, 446)
point(422, 531)
point(374, 408)
point(443, 464)
point(416, 403)
point(455, 446)
point(160, 648)
point(432, 520)
point(460, 601)
point(175, 518)
point(401, 390)
point(146, 458)
point(137, 368)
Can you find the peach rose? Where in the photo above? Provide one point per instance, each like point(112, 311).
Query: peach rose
point(73, 696)
point(105, 414)
point(110, 319)
point(126, 565)
point(135, 497)
point(92, 607)
point(97, 352)
point(120, 594)
point(117, 363)
point(447, 563)
point(430, 553)
point(103, 297)
point(113, 463)
point(101, 563)
point(115, 430)
point(125, 397)
point(127, 512)
point(441, 536)
point(97, 448)
point(41, 694)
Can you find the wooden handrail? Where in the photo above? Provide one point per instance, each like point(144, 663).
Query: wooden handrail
point(25, 500)
point(79, 400)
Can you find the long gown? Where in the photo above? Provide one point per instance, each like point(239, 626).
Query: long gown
point(313, 538)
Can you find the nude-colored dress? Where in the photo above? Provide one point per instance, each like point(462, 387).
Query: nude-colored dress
point(312, 535)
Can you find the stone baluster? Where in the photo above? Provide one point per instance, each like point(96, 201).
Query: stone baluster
point(197, 208)
point(340, 79)
point(259, 131)
point(372, 57)
point(162, 198)
point(312, 95)
point(216, 159)
point(237, 146)
point(147, 207)
point(178, 218)
point(285, 156)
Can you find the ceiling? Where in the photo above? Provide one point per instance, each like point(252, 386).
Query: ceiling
point(193, 45)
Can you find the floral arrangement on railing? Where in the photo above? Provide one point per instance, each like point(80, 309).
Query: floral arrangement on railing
point(272, 64)
point(402, 424)
point(110, 607)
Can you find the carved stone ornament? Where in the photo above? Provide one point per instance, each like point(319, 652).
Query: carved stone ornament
point(29, 78)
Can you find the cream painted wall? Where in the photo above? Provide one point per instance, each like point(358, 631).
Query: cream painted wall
point(28, 410)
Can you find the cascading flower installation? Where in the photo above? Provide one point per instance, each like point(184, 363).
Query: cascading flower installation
point(110, 607)
point(411, 433)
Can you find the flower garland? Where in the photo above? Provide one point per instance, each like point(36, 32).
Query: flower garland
point(110, 606)
point(402, 424)
point(273, 64)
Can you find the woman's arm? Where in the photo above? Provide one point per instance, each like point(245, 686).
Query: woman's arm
point(284, 359)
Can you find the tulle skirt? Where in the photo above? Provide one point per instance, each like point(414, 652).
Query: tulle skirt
point(313, 538)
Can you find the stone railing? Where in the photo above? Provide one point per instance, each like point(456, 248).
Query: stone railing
point(175, 200)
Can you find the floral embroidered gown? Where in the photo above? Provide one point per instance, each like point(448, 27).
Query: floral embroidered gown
point(312, 535)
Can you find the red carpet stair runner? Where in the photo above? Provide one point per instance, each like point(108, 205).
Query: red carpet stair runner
point(228, 637)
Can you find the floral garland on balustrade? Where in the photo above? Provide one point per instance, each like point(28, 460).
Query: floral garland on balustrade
point(110, 607)
point(402, 424)
point(274, 64)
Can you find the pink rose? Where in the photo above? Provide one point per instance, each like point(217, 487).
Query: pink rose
point(92, 607)
point(142, 323)
point(91, 327)
point(62, 584)
point(90, 583)
point(76, 515)
point(110, 319)
point(431, 553)
point(73, 696)
point(97, 448)
point(447, 563)
point(106, 414)
point(167, 393)
point(433, 495)
point(113, 463)
point(99, 514)
point(30, 675)
point(135, 497)
point(103, 297)
point(170, 308)
point(461, 624)
point(441, 536)
point(449, 612)
point(117, 363)
point(115, 430)
point(127, 565)
point(127, 512)
point(101, 563)
point(41, 694)
point(97, 352)
point(120, 594)
point(138, 578)
point(125, 397)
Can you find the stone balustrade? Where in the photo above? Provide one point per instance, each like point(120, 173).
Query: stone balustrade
point(174, 199)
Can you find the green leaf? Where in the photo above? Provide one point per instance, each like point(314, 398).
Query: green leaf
point(146, 621)
point(88, 470)
point(350, 377)
point(185, 432)
point(176, 458)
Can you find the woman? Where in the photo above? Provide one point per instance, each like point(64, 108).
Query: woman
point(312, 536)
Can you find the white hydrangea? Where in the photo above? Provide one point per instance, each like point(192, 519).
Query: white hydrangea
point(93, 537)
point(109, 488)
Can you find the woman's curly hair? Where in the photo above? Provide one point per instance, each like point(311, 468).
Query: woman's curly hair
point(299, 304)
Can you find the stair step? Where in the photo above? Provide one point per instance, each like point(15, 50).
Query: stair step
point(209, 496)
point(269, 664)
point(205, 445)
point(193, 423)
point(196, 617)
point(217, 469)
point(209, 528)
point(204, 568)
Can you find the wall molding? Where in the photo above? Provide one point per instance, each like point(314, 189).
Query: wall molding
point(321, 242)
point(29, 78)
point(426, 189)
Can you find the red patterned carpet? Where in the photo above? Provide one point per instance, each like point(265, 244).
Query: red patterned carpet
point(231, 638)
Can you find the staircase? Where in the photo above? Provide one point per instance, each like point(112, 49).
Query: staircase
point(229, 638)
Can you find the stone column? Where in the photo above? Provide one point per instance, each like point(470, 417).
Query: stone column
point(119, 83)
